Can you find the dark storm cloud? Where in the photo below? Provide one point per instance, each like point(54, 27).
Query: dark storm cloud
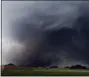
point(83, 35)
point(52, 32)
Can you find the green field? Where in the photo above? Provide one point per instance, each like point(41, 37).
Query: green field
point(46, 72)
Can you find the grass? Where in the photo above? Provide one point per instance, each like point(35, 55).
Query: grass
point(45, 72)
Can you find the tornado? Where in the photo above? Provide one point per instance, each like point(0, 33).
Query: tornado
point(45, 33)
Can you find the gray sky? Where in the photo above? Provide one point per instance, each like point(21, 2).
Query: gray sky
point(11, 11)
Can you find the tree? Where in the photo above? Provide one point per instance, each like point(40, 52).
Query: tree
point(77, 67)
point(10, 64)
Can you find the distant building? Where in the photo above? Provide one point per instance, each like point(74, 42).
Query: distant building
point(2, 67)
point(67, 67)
point(54, 67)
